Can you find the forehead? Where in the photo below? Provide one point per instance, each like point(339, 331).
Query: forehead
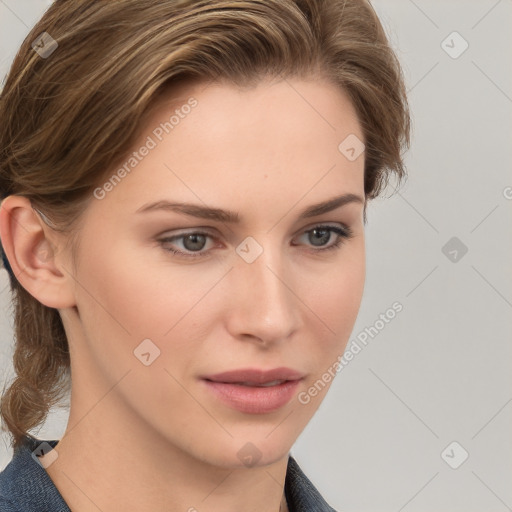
point(215, 142)
point(319, 104)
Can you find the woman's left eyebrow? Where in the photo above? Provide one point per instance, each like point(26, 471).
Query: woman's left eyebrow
point(218, 214)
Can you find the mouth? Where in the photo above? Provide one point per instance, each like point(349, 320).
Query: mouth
point(254, 391)
point(256, 384)
point(256, 377)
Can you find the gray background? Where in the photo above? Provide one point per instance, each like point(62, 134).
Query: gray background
point(440, 371)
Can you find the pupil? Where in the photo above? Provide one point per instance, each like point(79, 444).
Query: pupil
point(194, 238)
point(324, 234)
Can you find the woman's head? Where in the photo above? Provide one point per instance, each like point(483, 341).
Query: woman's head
point(260, 108)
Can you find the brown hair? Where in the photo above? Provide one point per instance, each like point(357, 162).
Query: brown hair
point(68, 117)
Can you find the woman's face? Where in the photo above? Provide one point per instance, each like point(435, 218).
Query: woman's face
point(260, 292)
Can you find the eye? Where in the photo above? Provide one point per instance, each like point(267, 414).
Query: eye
point(193, 242)
point(322, 234)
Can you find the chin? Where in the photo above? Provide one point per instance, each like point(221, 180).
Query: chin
point(240, 453)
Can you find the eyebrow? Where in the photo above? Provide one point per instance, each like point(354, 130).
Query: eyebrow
point(217, 214)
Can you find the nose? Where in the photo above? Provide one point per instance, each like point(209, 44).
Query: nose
point(263, 305)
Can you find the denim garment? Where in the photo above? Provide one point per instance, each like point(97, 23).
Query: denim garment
point(26, 487)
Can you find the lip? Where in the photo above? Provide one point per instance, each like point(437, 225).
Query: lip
point(254, 399)
point(256, 375)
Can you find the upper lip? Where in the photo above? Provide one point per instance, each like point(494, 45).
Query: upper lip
point(256, 376)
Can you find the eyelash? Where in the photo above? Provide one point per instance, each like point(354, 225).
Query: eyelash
point(344, 234)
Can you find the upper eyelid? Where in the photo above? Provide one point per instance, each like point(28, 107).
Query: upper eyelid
point(213, 231)
point(206, 231)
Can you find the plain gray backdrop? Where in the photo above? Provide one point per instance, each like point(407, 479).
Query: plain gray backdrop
point(420, 419)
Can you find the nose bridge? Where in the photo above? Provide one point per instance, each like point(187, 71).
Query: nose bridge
point(265, 306)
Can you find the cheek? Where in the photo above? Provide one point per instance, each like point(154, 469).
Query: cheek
point(334, 303)
point(125, 303)
point(335, 293)
point(334, 298)
point(137, 297)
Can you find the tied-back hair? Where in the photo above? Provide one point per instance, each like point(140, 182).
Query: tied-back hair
point(67, 118)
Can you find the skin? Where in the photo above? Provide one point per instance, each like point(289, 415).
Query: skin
point(143, 438)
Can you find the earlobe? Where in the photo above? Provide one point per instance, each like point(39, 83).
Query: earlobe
point(31, 248)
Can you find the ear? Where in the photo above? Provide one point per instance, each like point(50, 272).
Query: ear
point(36, 253)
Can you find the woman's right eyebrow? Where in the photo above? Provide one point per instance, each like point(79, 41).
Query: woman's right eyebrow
point(218, 214)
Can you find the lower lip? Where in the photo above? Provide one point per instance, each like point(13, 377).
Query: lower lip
point(254, 399)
